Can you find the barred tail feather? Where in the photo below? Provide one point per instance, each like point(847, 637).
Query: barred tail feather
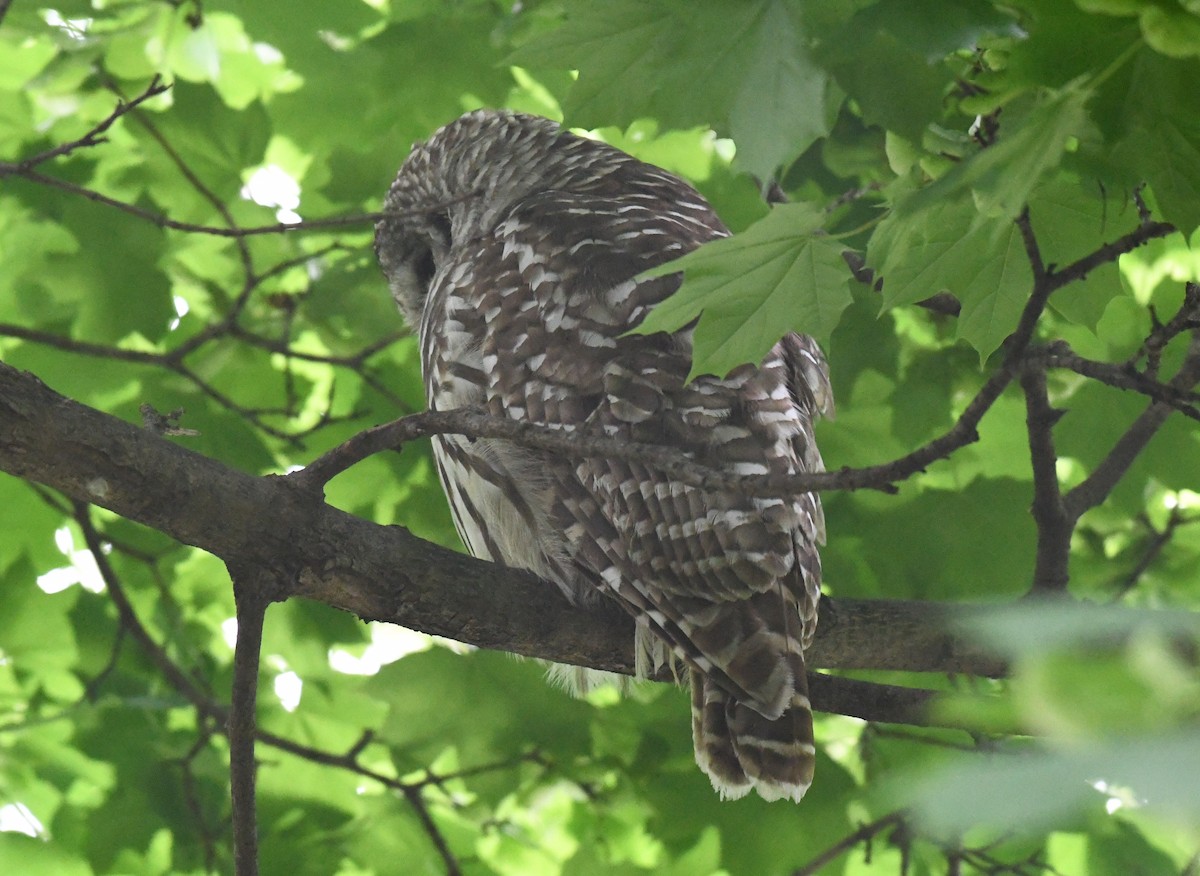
point(740, 750)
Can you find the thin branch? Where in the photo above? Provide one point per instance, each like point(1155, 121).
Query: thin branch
point(13, 169)
point(238, 722)
point(95, 136)
point(172, 361)
point(1123, 376)
point(1108, 252)
point(1033, 251)
point(171, 672)
point(941, 303)
point(8, 168)
point(250, 592)
point(570, 442)
point(1159, 539)
point(863, 835)
point(1054, 529)
point(354, 360)
point(82, 348)
point(210, 835)
point(474, 423)
point(199, 186)
point(860, 699)
point(1185, 318)
point(1096, 487)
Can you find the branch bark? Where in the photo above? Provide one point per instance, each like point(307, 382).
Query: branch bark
point(383, 572)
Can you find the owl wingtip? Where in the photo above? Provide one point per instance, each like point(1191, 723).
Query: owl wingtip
point(768, 790)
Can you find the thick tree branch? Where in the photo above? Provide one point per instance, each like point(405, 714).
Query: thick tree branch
point(384, 573)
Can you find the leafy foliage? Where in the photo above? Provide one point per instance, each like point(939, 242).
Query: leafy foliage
point(945, 163)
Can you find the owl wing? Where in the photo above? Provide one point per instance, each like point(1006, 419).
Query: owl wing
point(731, 583)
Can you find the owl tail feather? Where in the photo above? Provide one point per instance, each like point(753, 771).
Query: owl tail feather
point(740, 750)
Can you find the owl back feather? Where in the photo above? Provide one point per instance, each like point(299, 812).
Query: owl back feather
point(515, 250)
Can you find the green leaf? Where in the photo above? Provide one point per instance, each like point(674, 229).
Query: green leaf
point(743, 69)
point(216, 143)
point(22, 59)
point(28, 524)
point(1044, 788)
point(1164, 136)
point(1118, 848)
point(508, 692)
point(34, 629)
point(30, 856)
point(902, 95)
point(781, 108)
point(1068, 218)
point(889, 56)
point(749, 290)
point(1172, 31)
point(946, 247)
point(1003, 175)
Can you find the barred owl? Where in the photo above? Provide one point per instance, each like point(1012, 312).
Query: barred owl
point(514, 249)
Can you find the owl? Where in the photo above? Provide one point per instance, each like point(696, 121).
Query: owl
point(515, 250)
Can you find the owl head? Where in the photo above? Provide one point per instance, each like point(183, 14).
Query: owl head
point(457, 186)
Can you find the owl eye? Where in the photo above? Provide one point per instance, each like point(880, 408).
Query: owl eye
point(440, 223)
point(425, 267)
point(438, 231)
point(426, 263)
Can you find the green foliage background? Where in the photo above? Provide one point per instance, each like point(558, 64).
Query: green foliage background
point(873, 116)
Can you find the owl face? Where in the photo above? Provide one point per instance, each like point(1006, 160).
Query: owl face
point(410, 249)
point(458, 185)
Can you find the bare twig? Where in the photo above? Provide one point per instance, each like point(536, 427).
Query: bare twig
point(95, 136)
point(474, 423)
point(161, 221)
point(863, 835)
point(199, 186)
point(1185, 318)
point(1107, 253)
point(1096, 486)
point(571, 443)
point(1153, 548)
point(8, 168)
point(210, 835)
point(1123, 376)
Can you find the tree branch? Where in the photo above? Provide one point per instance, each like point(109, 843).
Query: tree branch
point(1096, 487)
point(1124, 376)
point(221, 718)
point(1054, 529)
point(385, 573)
point(863, 835)
point(95, 136)
point(251, 595)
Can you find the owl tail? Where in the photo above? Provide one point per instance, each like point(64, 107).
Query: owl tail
point(741, 750)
